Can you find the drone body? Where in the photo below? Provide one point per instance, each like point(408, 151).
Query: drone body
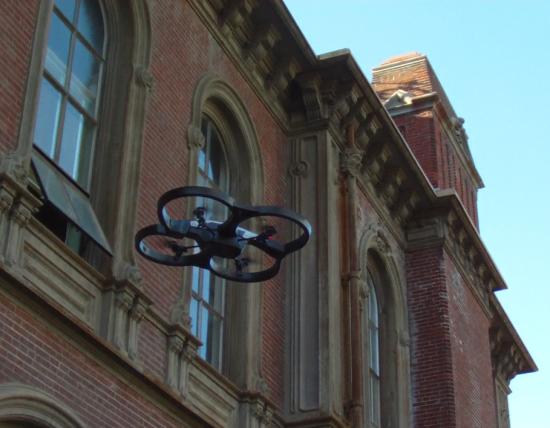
point(223, 247)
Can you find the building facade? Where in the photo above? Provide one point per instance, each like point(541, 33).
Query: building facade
point(387, 318)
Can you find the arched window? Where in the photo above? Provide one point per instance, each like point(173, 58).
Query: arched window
point(66, 118)
point(66, 121)
point(208, 291)
point(386, 363)
point(27, 406)
point(372, 352)
point(224, 154)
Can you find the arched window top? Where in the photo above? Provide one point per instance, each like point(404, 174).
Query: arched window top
point(32, 407)
point(385, 331)
point(213, 167)
point(67, 117)
point(224, 153)
point(216, 100)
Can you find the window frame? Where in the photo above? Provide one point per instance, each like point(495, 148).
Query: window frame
point(214, 97)
point(64, 89)
point(380, 259)
point(197, 276)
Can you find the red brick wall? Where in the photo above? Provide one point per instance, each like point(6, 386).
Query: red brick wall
point(450, 355)
point(473, 377)
point(434, 403)
point(32, 354)
point(418, 130)
point(17, 24)
point(183, 51)
point(428, 141)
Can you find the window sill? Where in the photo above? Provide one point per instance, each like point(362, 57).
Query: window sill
point(57, 272)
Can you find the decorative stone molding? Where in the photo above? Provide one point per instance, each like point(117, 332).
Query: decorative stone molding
point(425, 232)
point(17, 205)
point(179, 312)
point(16, 167)
point(137, 312)
point(262, 386)
point(180, 353)
point(195, 137)
point(299, 168)
point(6, 201)
point(508, 354)
point(351, 160)
point(459, 132)
point(129, 273)
point(311, 97)
point(143, 76)
point(124, 300)
point(28, 404)
point(173, 352)
point(262, 412)
point(379, 257)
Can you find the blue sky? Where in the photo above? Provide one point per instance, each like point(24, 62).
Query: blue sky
point(493, 59)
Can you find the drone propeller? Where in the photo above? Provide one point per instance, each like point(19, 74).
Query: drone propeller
point(256, 255)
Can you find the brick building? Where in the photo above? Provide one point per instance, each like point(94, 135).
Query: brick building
point(387, 318)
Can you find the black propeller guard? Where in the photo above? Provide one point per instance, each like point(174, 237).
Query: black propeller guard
point(225, 240)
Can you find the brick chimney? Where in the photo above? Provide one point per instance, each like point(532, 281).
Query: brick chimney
point(413, 95)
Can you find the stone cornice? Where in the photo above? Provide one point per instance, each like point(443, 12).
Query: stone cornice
point(301, 90)
point(509, 355)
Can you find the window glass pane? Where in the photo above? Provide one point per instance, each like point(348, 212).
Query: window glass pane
point(193, 315)
point(195, 272)
point(66, 7)
point(206, 285)
point(214, 340)
point(373, 306)
point(53, 187)
point(374, 351)
point(86, 219)
point(47, 118)
point(76, 146)
point(90, 23)
point(85, 77)
point(202, 159)
point(217, 164)
point(203, 330)
point(57, 55)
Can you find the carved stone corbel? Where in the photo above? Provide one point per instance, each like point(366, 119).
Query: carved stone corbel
point(6, 202)
point(350, 161)
point(143, 77)
point(188, 354)
point(173, 352)
point(311, 96)
point(138, 311)
point(195, 138)
point(124, 300)
point(181, 351)
point(17, 205)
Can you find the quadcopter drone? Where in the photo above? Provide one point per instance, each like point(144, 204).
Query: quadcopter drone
point(222, 247)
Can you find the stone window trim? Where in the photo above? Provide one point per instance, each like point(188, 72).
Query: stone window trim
point(121, 115)
point(379, 259)
point(96, 297)
point(215, 98)
point(28, 404)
